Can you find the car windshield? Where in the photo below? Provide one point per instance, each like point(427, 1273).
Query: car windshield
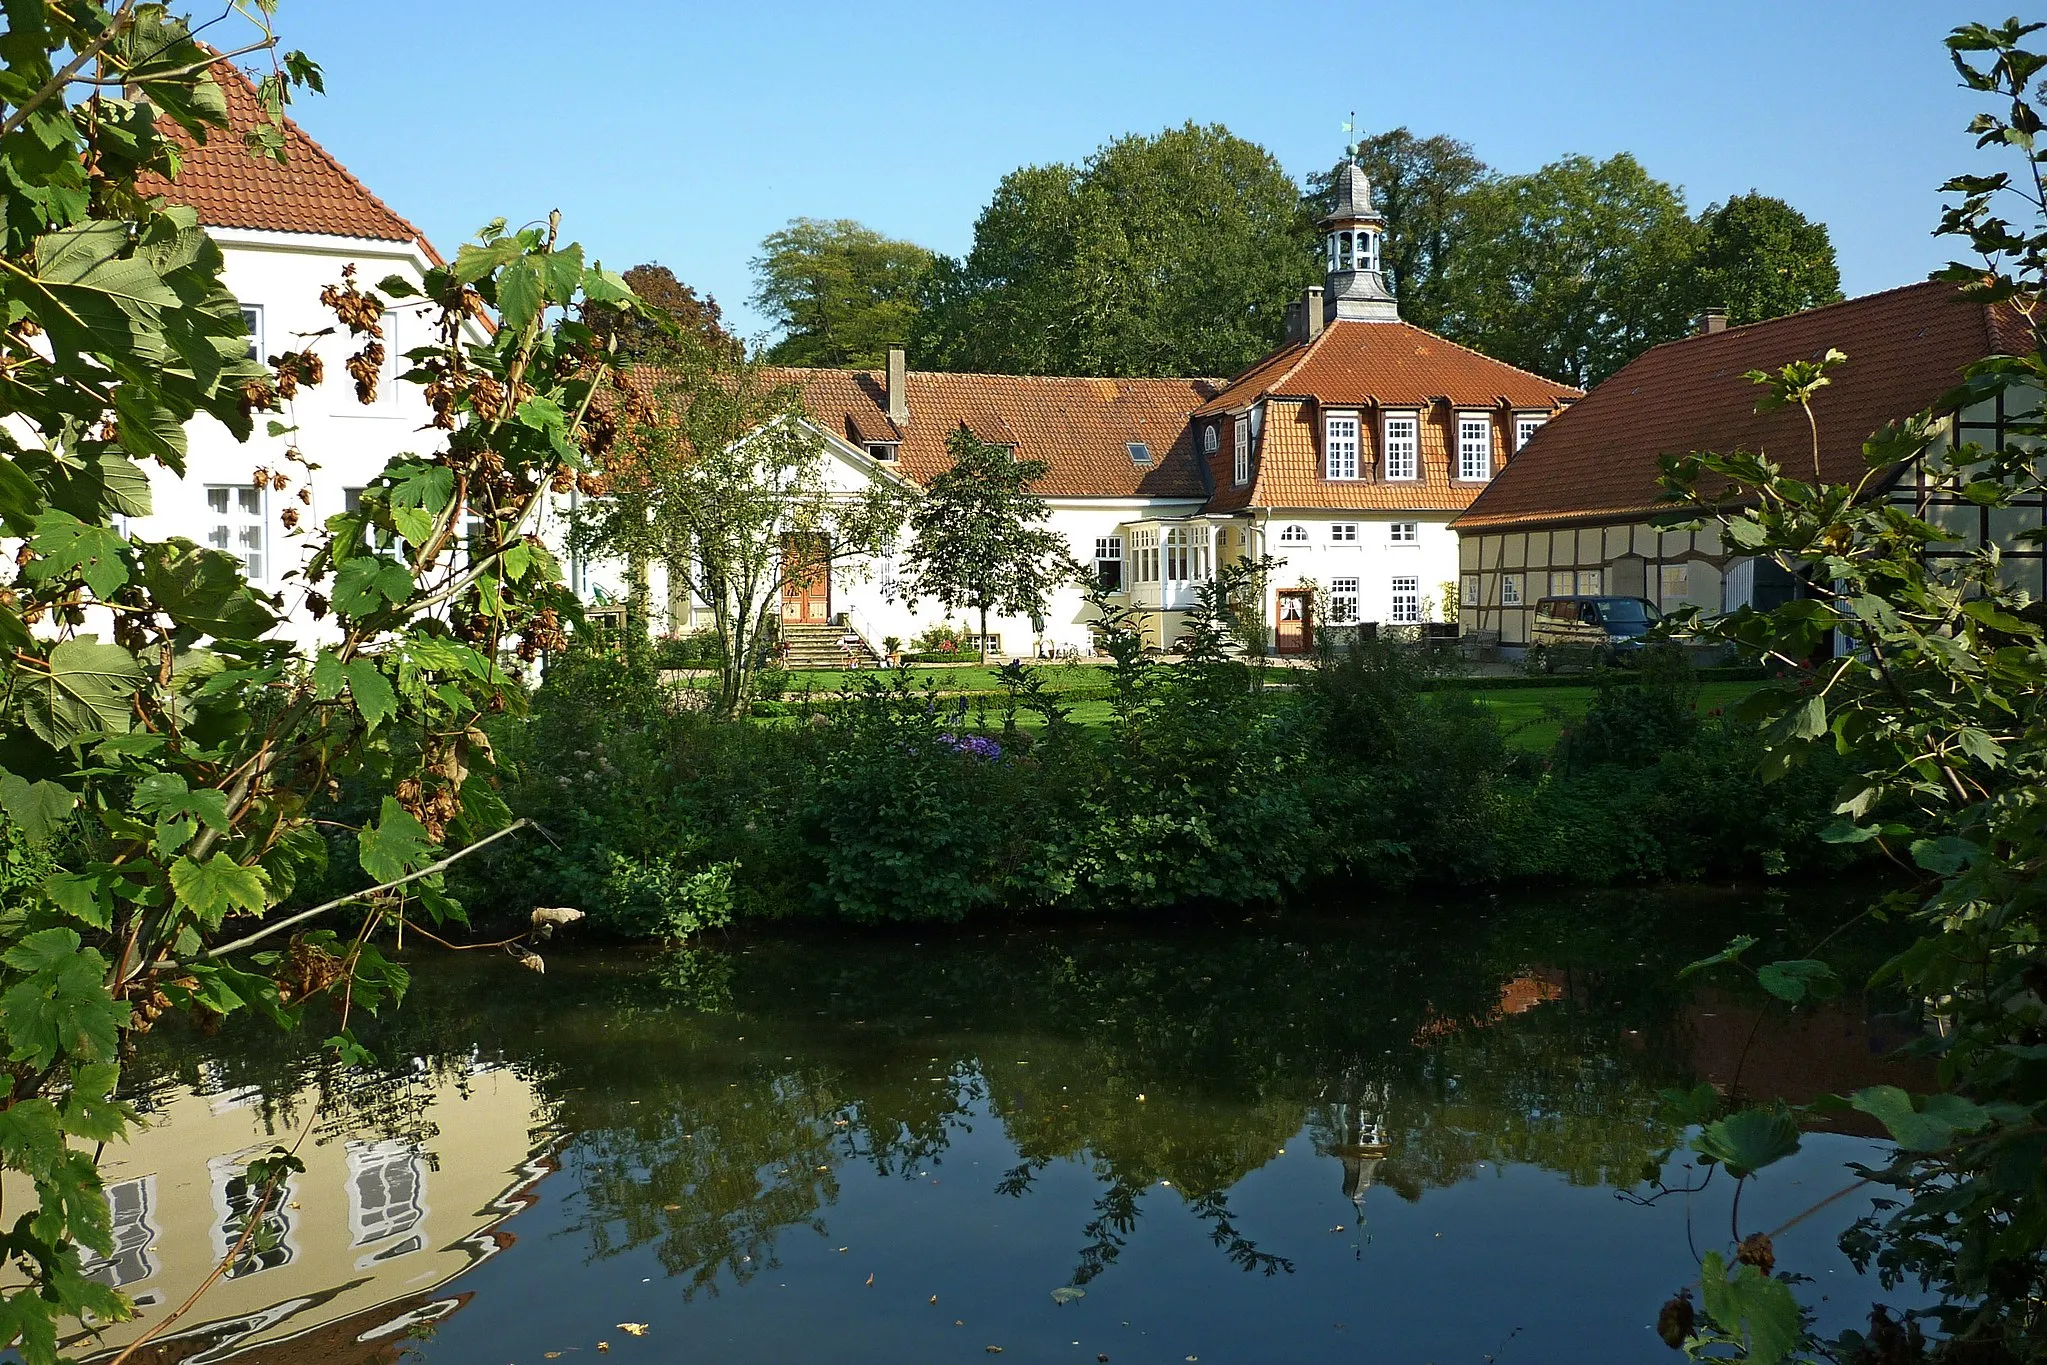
point(1627, 611)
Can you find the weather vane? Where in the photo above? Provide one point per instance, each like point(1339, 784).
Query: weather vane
point(1350, 128)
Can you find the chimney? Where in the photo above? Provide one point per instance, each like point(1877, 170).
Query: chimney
point(1311, 312)
point(898, 389)
point(1710, 321)
point(1294, 330)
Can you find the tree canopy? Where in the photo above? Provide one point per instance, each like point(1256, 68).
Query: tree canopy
point(840, 292)
point(1761, 258)
point(1174, 253)
point(1421, 184)
point(640, 333)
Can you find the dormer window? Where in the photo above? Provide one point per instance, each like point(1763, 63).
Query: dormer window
point(1403, 445)
point(1241, 469)
point(1140, 454)
point(1340, 445)
point(884, 451)
point(1209, 440)
point(1474, 446)
point(1526, 424)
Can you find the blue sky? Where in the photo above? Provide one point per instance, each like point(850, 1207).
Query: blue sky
point(683, 133)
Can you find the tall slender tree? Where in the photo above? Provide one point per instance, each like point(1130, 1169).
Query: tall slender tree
point(979, 539)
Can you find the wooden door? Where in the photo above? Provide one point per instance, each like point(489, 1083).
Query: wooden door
point(1296, 624)
point(807, 580)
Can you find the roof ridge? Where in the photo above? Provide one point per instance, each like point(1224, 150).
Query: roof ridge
point(996, 374)
point(1803, 312)
point(1468, 350)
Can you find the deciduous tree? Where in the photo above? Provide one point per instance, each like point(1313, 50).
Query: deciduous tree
point(1761, 258)
point(841, 292)
point(670, 307)
point(1422, 185)
point(978, 538)
point(1170, 254)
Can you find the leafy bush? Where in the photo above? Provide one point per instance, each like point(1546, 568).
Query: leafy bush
point(1637, 714)
point(700, 649)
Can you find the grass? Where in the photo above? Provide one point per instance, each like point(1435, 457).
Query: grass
point(1534, 717)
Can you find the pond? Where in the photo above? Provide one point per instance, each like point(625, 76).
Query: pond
point(1406, 1133)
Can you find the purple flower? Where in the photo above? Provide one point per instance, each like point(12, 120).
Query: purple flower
point(973, 746)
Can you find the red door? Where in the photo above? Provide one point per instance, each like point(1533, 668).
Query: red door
point(807, 580)
point(1296, 627)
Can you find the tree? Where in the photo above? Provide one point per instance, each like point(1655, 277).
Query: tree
point(978, 539)
point(1422, 186)
point(168, 771)
point(1936, 694)
point(718, 477)
point(841, 293)
point(1573, 270)
point(1170, 254)
point(670, 306)
point(1761, 258)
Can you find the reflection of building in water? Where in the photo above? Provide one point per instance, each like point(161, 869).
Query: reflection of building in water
point(1356, 1136)
point(368, 1235)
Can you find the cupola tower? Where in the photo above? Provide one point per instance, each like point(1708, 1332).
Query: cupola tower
point(1352, 240)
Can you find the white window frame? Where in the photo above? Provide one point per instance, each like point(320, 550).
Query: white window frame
point(252, 323)
point(1343, 533)
point(129, 1204)
point(1144, 555)
point(1186, 552)
point(1591, 582)
point(1562, 583)
point(278, 1214)
point(232, 522)
point(1401, 435)
point(1406, 600)
point(1293, 533)
point(1663, 592)
point(1345, 602)
point(1140, 453)
point(1474, 447)
point(1209, 440)
point(398, 1172)
point(1342, 441)
point(1467, 590)
point(1403, 533)
point(883, 452)
point(1109, 550)
point(1240, 467)
point(1526, 424)
point(1510, 589)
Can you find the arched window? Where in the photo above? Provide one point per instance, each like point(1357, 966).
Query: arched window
point(1343, 251)
point(1208, 439)
point(1293, 534)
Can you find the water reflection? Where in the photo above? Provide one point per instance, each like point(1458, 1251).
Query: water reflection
point(1097, 1102)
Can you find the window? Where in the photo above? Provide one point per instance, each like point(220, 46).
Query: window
point(1403, 445)
point(1144, 546)
point(234, 523)
point(1109, 563)
point(884, 451)
point(1343, 601)
point(1208, 439)
point(1241, 472)
point(1407, 601)
point(252, 323)
point(1510, 589)
point(1589, 582)
point(1293, 533)
point(1526, 424)
point(1404, 532)
point(1675, 582)
point(1340, 444)
point(1344, 533)
point(1186, 550)
point(1474, 446)
point(129, 1202)
point(236, 1199)
point(1140, 453)
point(385, 1182)
point(1562, 583)
point(1467, 589)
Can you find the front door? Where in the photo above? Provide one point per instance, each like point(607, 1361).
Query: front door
point(807, 579)
point(1296, 633)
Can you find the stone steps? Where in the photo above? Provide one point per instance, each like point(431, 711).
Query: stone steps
point(810, 645)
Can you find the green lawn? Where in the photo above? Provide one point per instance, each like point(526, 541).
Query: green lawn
point(1534, 716)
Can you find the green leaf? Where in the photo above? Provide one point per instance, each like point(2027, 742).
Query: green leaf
point(1747, 1141)
point(20, 499)
point(37, 809)
point(85, 896)
point(395, 845)
point(328, 676)
point(1793, 980)
point(363, 585)
point(520, 294)
point(1946, 855)
point(1921, 1128)
point(61, 1005)
point(204, 592)
point(1848, 832)
point(210, 890)
point(1751, 1307)
point(1689, 1108)
point(90, 1111)
point(1731, 953)
point(68, 547)
point(87, 691)
point(372, 692)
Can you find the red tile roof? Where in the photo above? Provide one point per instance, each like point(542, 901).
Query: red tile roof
point(1598, 461)
point(1392, 364)
point(232, 187)
point(1081, 428)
